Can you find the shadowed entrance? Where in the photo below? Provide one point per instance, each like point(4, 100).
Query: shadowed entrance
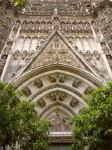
point(61, 146)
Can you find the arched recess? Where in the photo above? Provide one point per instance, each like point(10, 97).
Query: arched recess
point(57, 89)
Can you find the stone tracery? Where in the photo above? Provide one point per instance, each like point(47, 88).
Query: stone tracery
point(55, 51)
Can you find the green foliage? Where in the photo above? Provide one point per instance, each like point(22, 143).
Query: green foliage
point(19, 121)
point(93, 127)
point(20, 3)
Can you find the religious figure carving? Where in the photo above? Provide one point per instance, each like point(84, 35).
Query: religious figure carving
point(62, 78)
point(41, 102)
point(57, 122)
point(61, 96)
point(53, 96)
point(7, 49)
point(109, 58)
point(73, 102)
point(76, 82)
point(2, 64)
point(52, 78)
point(39, 83)
point(26, 90)
point(88, 90)
point(66, 122)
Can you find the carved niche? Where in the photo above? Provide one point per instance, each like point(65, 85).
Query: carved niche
point(41, 102)
point(76, 82)
point(60, 122)
point(73, 102)
point(88, 90)
point(26, 90)
point(62, 78)
point(39, 83)
point(52, 78)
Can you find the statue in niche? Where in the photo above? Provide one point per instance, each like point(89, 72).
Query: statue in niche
point(53, 96)
point(41, 102)
point(53, 78)
point(26, 90)
point(8, 47)
point(39, 83)
point(109, 58)
point(73, 102)
point(88, 90)
point(61, 96)
point(76, 82)
point(66, 123)
point(62, 78)
point(57, 122)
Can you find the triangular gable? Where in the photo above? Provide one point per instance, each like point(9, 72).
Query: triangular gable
point(56, 49)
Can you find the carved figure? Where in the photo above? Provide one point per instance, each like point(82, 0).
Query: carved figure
point(41, 102)
point(88, 90)
point(61, 96)
point(53, 96)
point(62, 78)
point(66, 122)
point(26, 90)
point(76, 82)
point(2, 64)
point(8, 47)
point(73, 102)
point(57, 122)
point(109, 58)
point(39, 83)
point(52, 78)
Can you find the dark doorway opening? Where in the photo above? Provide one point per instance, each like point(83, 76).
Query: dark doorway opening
point(63, 146)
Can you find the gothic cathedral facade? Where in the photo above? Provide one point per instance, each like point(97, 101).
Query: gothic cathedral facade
point(55, 51)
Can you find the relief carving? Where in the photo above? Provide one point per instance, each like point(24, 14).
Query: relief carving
point(8, 47)
point(88, 90)
point(39, 83)
point(26, 90)
point(60, 123)
point(73, 102)
point(66, 122)
point(61, 96)
point(53, 96)
point(2, 64)
point(76, 82)
point(62, 78)
point(52, 78)
point(41, 102)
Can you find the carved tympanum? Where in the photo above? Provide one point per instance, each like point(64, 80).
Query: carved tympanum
point(76, 82)
point(60, 123)
point(52, 78)
point(62, 78)
point(39, 83)
point(41, 102)
point(73, 102)
point(88, 90)
point(26, 90)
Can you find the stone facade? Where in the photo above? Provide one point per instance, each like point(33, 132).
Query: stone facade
point(55, 51)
